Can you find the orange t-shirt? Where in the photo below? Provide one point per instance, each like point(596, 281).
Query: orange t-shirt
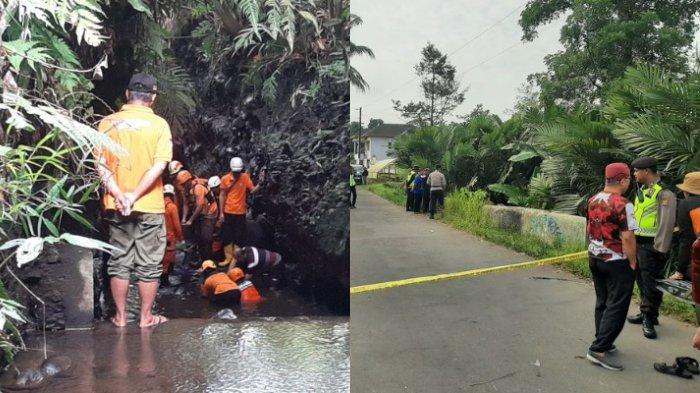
point(172, 221)
point(200, 193)
point(236, 193)
point(146, 138)
point(695, 219)
point(218, 283)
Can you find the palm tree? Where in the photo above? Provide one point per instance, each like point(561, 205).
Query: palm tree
point(658, 115)
point(356, 78)
point(577, 148)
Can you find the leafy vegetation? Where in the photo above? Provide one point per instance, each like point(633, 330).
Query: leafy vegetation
point(46, 140)
point(602, 38)
point(553, 158)
point(274, 36)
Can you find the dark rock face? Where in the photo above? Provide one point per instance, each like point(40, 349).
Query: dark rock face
point(61, 278)
point(304, 151)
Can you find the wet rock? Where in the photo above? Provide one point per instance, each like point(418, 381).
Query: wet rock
point(226, 314)
point(28, 379)
point(56, 366)
point(61, 278)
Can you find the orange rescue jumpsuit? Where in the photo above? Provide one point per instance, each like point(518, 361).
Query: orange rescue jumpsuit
point(173, 234)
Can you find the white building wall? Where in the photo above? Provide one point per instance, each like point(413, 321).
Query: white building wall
point(379, 148)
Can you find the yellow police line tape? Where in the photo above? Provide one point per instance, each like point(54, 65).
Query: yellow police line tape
point(467, 273)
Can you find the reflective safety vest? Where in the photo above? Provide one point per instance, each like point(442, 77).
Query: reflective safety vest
point(646, 210)
point(409, 180)
point(352, 180)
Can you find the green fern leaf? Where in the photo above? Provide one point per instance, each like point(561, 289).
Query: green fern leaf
point(138, 5)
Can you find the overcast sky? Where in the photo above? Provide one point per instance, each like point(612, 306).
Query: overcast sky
point(397, 30)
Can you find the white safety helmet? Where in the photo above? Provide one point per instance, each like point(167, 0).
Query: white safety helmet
point(236, 164)
point(174, 167)
point(214, 182)
point(168, 189)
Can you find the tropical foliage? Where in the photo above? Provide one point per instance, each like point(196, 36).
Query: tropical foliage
point(554, 158)
point(46, 139)
point(275, 36)
point(602, 38)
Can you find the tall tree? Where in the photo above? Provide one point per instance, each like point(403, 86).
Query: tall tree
point(374, 123)
point(441, 92)
point(602, 38)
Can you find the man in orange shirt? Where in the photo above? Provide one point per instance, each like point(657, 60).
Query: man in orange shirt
point(133, 200)
point(218, 286)
point(235, 187)
point(205, 211)
point(173, 231)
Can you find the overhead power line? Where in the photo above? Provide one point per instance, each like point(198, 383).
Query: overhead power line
point(464, 45)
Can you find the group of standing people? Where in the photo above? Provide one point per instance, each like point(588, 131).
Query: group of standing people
point(145, 216)
point(425, 190)
point(629, 242)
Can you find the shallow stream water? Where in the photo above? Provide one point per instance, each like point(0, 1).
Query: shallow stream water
point(272, 354)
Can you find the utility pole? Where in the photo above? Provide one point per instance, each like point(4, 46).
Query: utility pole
point(359, 138)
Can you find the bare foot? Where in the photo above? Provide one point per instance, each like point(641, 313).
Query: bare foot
point(153, 321)
point(677, 276)
point(118, 322)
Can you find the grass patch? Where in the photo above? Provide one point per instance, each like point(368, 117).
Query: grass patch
point(464, 210)
point(392, 192)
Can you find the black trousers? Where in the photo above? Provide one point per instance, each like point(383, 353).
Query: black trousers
point(651, 267)
point(204, 233)
point(234, 230)
point(353, 195)
point(614, 283)
point(417, 201)
point(409, 200)
point(426, 201)
point(436, 196)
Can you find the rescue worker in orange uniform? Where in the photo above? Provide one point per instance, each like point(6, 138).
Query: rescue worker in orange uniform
point(181, 181)
point(174, 168)
point(204, 207)
point(173, 231)
point(214, 184)
point(227, 288)
point(217, 286)
point(235, 187)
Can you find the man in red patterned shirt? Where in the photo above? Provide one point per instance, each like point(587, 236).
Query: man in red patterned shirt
point(612, 260)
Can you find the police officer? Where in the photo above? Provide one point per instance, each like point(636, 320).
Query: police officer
point(408, 186)
point(655, 211)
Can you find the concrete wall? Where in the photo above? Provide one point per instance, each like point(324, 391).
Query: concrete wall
point(554, 228)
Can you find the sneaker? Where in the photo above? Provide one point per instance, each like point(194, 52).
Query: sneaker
point(612, 349)
point(605, 361)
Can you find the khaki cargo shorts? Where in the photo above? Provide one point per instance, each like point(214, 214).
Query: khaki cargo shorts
point(142, 239)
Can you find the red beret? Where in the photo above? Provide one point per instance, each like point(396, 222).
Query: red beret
point(617, 171)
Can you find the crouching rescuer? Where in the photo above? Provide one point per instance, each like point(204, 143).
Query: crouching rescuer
point(227, 288)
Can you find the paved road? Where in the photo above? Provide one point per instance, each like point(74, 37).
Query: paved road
point(482, 334)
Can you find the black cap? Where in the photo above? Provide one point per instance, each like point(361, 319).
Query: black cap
point(644, 163)
point(142, 82)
